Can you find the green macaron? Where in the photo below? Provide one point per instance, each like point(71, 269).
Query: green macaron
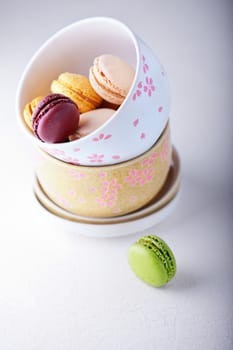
point(152, 261)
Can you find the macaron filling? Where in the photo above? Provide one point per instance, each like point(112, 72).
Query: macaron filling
point(154, 244)
point(101, 86)
point(79, 94)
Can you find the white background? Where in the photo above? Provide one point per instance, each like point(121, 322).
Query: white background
point(62, 291)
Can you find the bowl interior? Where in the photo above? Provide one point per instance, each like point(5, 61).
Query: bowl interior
point(73, 49)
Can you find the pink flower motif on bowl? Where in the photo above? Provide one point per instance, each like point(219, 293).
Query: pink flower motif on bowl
point(72, 193)
point(149, 87)
point(139, 176)
point(102, 137)
point(145, 174)
point(77, 175)
point(109, 195)
point(138, 91)
point(160, 109)
point(63, 201)
point(96, 158)
point(164, 151)
point(136, 122)
point(116, 156)
point(145, 66)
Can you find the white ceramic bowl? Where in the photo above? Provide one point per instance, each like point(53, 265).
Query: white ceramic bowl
point(141, 118)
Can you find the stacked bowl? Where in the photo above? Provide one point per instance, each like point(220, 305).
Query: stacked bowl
point(123, 165)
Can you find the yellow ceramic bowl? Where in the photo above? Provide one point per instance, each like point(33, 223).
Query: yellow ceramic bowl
point(106, 191)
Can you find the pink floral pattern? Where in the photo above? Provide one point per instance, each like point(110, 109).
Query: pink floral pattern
point(138, 91)
point(136, 122)
point(145, 65)
point(101, 137)
point(144, 175)
point(96, 158)
point(109, 195)
point(150, 160)
point(164, 153)
point(116, 156)
point(72, 193)
point(139, 176)
point(63, 202)
point(132, 199)
point(81, 199)
point(160, 109)
point(103, 174)
point(147, 86)
point(77, 175)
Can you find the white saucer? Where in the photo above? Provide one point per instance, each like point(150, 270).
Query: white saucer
point(150, 215)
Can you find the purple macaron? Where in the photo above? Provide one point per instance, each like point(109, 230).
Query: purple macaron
point(55, 118)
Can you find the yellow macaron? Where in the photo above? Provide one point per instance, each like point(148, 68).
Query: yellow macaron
point(29, 109)
point(78, 88)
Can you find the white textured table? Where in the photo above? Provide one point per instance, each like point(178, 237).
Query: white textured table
point(63, 291)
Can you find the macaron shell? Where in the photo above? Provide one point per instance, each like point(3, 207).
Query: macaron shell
point(92, 120)
point(111, 77)
point(29, 109)
point(78, 88)
point(147, 266)
point(162, 250)
point(55, 118)
point(58, 123)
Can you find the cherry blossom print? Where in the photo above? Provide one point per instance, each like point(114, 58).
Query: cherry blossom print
point(139, 176)
point(76, 149)
point(63, 202)
point(150, 160)
point(93, 189)
point(116, 210)
point(132, 199)
point(136, 122)
point(160, 109)
point(109, 195)
point(103, 174)
point(101, 137)
point(145, 66)
point(96, 158)
point(142, 136)
point(149, 87)
point(81, 199)
point(164, 151)
point(145, 174)
point(72, 193)
point(116, 157)
point(138, 91)
point(76, 174)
